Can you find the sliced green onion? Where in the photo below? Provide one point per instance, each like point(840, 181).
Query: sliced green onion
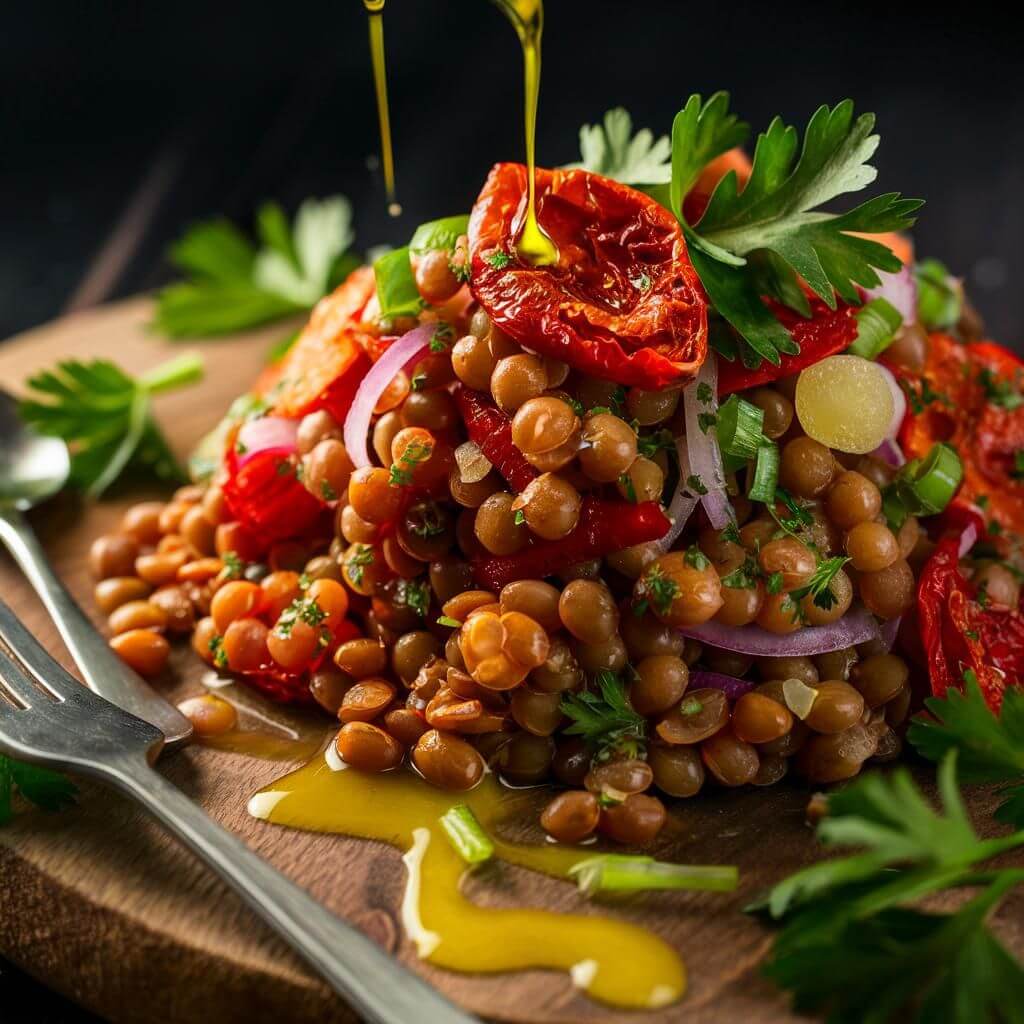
point(615, 872)
point(466, 834)
point(934, 480)
point(877, 324)
point(925, 486)
point(766, 474)
point(939, 296)
point(740, 428)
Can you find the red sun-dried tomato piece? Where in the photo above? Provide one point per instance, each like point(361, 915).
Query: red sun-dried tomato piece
point(623, 302)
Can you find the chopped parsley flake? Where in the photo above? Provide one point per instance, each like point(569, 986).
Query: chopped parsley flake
point(356, 563)
point(819, 586)
point(442, 337)
point(414, 454)
point(660, 590)
point(696, 559)
point(626, 483)
point(706, 420)
point(498, 259)
point(695, 484)
point(1003, 393)
point(327, 492)
point(642, 282)
point(415, 595)
point(234, 567)
point(774, 585)
point(704, 393)
point(519, 518)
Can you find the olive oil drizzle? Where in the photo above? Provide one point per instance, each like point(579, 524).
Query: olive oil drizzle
point(527, 16)
point(615, 962)
point(375, 10)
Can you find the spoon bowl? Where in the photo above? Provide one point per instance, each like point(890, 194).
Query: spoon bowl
point(32, 467)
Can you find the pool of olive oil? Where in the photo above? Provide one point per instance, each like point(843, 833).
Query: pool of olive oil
point(375, 11)
point(614, 962)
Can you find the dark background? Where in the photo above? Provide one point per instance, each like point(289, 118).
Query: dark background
point(121, 123)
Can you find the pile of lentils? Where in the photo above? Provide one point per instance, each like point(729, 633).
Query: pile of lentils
point(385, 627)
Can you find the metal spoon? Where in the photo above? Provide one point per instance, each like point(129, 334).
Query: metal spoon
point(33, 468)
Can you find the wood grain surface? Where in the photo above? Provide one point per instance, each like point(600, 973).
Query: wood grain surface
point(101, 905)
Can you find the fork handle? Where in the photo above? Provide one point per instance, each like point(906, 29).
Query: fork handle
point(367, 977)
point(104, 672)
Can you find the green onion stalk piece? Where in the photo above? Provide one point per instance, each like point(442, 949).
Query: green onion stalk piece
point(621, 873)
point(740, 428)
point(925, 486)
point(877, 324)
point(766, 474)
point(466, 834)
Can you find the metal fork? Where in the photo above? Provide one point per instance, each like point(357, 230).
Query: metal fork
point(50, 718)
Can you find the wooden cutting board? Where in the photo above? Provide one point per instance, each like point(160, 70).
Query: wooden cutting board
point(99, 904)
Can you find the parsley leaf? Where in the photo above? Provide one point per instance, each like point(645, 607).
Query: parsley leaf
point(991, 747)
point(48, 790)
point(700, 132)
point(774, 211)
point(757, 242)
point(232, 285)
point(499, 259)
point(612, 149)
point(657, 589)
point(396, 286)
point(852, 948)
point(105, 416)
point(819, 586)
point(695, 485)
point(605, 720)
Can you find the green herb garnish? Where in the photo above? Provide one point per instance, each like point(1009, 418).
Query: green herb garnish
point(356, 563)
point(611, 149)
point(658, 590)
point(853, 949)
point(46, 789)
point(498, 259)
point(990, 746)
point(605, 719)
point(695, 485)
point(616, 872)
point(466, 834)
point(106, 417)
point(819, 586)
point(231, 284)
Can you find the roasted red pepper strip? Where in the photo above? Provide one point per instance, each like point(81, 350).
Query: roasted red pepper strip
point(960, 635)
point(604, 527)
point(623, 302)
point(491, 430)
point(827, 332)
point(972, 396)
point(266, 496)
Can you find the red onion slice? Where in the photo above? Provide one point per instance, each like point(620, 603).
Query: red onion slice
point(899, 401)
point(968, 539)
point(267, 433)
point(732, 687)
point(702, 445)
point(855, 627)
point(357, 424)
point(683, 501)
point(887, 632)
point(889, 452)
point(899, 289)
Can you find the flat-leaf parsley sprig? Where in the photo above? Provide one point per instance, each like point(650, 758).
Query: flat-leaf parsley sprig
point(605, 718)
point(46, 789)
point(105, 416)
point(990, 747)
point(851, 946)
point(232, 284)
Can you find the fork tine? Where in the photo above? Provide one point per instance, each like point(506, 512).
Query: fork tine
point(16, 683)
point(35, 657)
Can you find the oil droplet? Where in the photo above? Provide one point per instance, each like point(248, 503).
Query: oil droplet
point(615, 962)
point(395, 209)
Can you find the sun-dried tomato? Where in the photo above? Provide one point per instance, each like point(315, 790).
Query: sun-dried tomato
point(972, 396)
point(824, 333)
point(961, 634)
point(491, 431)
point(328, 360)
point(604, 527)
point(264, 493)
point(623, 301)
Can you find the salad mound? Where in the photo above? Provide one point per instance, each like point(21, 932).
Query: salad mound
point(721, 494)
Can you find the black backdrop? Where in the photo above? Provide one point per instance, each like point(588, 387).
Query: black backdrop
point(119, 123)
point(209, 108)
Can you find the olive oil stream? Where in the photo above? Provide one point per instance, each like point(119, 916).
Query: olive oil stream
point(375, 10)
point(614, 962)
point(527, 16)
